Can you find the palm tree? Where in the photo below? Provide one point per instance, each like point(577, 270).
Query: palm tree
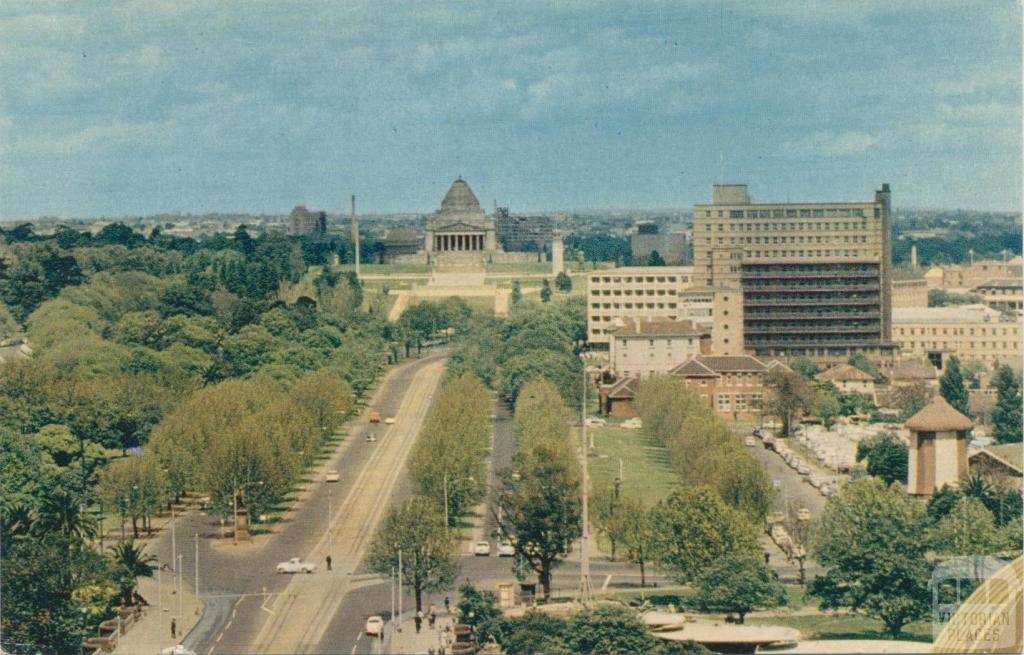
point(130, 562)
point(61, 511)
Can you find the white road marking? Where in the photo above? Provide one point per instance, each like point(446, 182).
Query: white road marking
point(607, 579)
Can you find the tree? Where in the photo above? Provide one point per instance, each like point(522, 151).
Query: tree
point(969, 529)
point(805, 367)
point(827, 408)
point(886, 456)
point(1006, 416)
point(861, 361)
point(130, 563)
point(517, 293)
point(545, 291)
point(910, 399)
point(634, 527)
point(739, 583)
point(416, 533)
point(695, 528)
point(788, 396)
point(479, 610)
point(870, 540)
point(539, 509)
point(563, 282)
point(655, 259)
point(952, 388)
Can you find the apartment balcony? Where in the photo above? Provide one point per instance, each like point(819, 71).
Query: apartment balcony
point(808, 275)
point(814, 329)
point(782, 344)
point(818, 288)
point(811, 316)
point(749, 301)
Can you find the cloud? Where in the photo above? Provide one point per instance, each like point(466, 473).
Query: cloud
point(832, 145)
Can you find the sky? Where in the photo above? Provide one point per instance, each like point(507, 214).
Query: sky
point(135, 108)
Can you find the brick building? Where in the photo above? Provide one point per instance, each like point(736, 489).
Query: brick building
point(731, 385)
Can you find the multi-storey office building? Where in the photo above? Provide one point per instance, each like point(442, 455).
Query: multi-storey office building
point(522, 233)
point(816, 277)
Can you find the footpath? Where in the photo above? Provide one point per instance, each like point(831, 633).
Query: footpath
point(151, 632)
point(430, 639)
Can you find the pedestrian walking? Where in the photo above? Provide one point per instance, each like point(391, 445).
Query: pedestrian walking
point(174, 629)
point(418, 620)
point(328, 562)
point(431, 617)
point(447, 605)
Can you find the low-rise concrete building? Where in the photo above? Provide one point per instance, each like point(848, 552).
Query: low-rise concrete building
point(938, 447)
point(641, 348)
point(909, 288)
point(1002, 294)
point(970, 332)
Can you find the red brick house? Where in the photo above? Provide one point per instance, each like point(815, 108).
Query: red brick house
point(617, 398)
point(731, 385)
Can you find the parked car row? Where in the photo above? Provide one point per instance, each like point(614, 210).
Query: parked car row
point(483, 549)
point(794, 461)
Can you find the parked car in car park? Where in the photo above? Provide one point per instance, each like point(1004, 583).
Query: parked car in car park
point(803, 514)
point(803, 469)
point(296, 565)
point(506, 549)
point(750, 441)
point(482, 548)
point(632, 424)
point(332, 476)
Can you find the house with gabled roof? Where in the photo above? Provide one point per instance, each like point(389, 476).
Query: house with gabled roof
point(732, 385)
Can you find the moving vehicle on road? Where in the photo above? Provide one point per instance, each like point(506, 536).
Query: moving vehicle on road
point(482, 548)
point(296, 565)
point(332, 476)
point(370, 438)
point(506, 549)
point(374, 626)
point(374, 417)
point(389, 420)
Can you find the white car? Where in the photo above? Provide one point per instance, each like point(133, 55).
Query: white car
point(593, 422)
point(332, 476)
point(374, 626)
point(506, 549)
point(750, 441)
point(180, 649)
point(296, 565)
point(389, 420)
point(803, 469)
point(482, 548)
point(632, 424)
point(371, 438)
point(803, 514)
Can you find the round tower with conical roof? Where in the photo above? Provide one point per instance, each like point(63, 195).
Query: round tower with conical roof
point(938, 447)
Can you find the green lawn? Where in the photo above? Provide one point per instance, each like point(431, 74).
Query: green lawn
point(525, 267)
point(387, 269)
point(647, 472)
point(844, 626)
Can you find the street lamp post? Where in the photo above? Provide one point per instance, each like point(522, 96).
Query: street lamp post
point(584, 550)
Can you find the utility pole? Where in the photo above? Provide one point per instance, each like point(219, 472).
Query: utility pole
point(174, 540)
point(197, 565)
point(398, 626)
point(179, 589)
point(234, 509)
point(445, 485)
point(355, 234)
point(584, 545)
point(392, 594)
point(160, 587)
